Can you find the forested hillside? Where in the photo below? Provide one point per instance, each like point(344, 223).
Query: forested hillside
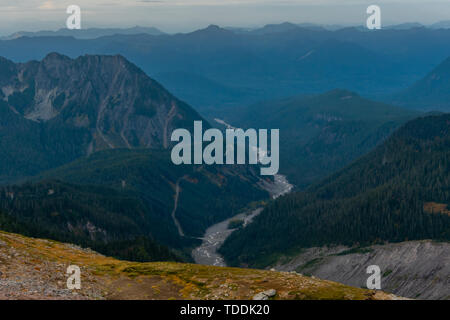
point(208, 194)
point(120, 195)
point(98, 217)
point(321, 134)
point(400, 191)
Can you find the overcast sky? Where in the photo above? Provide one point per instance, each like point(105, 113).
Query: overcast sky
point(187, 15)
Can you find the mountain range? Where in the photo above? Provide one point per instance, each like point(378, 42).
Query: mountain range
point(262, 66)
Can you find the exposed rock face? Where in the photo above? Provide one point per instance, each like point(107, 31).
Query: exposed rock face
point(107, 95)
point(76, 107)
point(413, 269)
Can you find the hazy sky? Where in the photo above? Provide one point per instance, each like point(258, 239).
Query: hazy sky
point(187, 15)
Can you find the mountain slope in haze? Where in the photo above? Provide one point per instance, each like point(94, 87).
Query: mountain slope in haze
point(58, 109)
point(36, 269)
point(198, 89)
point(398, 192)
point(321, 134)
point(432, 93)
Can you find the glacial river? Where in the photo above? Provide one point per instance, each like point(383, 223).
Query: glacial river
point(216, 235)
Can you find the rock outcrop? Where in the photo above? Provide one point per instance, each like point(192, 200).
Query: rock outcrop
point(265, 295)
point(414, 269)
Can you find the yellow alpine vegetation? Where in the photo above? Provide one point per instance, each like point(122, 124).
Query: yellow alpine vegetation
point(36, 269)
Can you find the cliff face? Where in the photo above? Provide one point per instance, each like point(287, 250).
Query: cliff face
point(107, 95)
point(75, 107)
point(413, 269)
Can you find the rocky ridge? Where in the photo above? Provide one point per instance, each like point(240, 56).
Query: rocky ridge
point(36, 269)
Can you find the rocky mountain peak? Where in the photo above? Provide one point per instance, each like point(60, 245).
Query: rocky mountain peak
point(92, 102)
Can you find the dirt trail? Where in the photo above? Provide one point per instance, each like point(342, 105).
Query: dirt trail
point(175, 206)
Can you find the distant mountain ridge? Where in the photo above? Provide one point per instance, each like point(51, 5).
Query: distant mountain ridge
point(269, 65)
point(96, 32)
point(88, 33)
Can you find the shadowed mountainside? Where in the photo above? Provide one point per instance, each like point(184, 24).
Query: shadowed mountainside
point(59, 109)
point(431, 93)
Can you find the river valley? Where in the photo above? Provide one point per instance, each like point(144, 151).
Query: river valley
point(216, 235)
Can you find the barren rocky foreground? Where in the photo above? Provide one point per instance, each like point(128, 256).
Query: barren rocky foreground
point(36, 269)
point(414, 269)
